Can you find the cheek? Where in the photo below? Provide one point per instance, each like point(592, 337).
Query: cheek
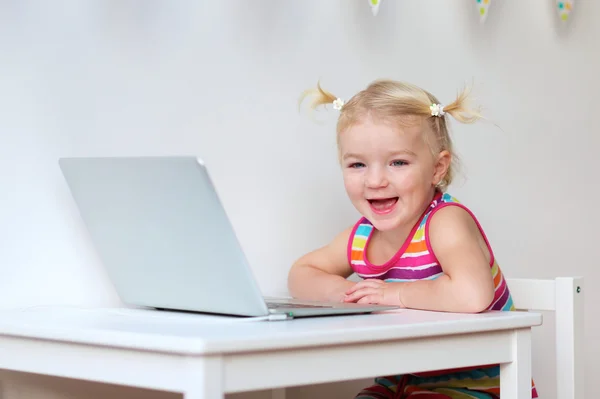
point(407, 177)
point(353, 184)
point(409, 180)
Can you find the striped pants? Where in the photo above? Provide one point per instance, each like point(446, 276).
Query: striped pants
point(465, 383)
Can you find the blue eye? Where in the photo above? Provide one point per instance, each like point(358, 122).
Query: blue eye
point(399, 163)
point(356, 165)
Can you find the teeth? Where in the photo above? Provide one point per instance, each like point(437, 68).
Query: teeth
point(383, 203)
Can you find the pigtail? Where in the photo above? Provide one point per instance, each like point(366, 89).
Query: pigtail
point(460, 108)
point(320, 97)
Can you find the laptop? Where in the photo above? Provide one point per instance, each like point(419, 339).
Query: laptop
point(166, 242)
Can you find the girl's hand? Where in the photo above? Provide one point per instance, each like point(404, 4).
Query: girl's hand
point(374, 291)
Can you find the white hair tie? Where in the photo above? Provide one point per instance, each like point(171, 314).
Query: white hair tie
point(437, 110)
point(338, 104)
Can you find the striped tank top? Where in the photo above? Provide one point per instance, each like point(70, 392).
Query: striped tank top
point(415, 260)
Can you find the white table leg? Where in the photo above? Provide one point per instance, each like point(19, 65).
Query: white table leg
point(205, 379)
point(515, 377)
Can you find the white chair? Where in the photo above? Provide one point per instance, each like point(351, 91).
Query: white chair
point(563, 296)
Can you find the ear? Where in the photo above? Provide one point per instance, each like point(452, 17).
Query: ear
point(442, 163)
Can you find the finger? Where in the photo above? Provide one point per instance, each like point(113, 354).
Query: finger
point(360, 293)
point(369, 299)
point(355, 287)
point(351, 297)
point(364, 284)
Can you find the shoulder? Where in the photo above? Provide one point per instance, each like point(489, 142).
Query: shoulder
point(448, 211)
point(453, 227)
point(451, 220)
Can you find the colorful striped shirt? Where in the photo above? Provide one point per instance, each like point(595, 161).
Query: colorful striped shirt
point(415, 260)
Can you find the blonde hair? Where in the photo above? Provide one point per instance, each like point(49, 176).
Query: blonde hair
point(402, 103)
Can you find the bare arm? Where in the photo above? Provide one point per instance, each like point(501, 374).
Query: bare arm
point(467, 284)
point(321, 275)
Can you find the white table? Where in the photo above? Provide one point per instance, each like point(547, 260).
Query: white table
point(205, 357)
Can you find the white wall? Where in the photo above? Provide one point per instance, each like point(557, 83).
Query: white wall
point(110, 77)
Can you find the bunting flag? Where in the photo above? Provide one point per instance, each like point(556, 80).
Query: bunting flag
point(374, 6)
point(564, 8)
point(482, 8)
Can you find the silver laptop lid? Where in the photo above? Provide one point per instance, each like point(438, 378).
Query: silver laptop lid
point(162, 234)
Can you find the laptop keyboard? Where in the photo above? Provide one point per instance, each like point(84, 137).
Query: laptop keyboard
point(275, 305)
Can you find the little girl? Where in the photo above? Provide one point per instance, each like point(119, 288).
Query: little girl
point(415, 246)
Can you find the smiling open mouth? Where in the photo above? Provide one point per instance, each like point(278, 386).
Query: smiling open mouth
point(383, 205)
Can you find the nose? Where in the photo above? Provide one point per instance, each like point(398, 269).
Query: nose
point(376, 178)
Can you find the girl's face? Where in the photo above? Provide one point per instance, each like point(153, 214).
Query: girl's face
point(389, 171)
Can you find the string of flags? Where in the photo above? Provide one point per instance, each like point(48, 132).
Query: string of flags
point(482, 7)
point(563, 7)
point(374, 6)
